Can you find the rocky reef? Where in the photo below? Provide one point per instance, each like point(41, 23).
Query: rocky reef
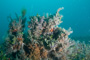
point(44, 40)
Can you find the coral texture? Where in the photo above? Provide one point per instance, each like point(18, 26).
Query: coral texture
point(44, 40)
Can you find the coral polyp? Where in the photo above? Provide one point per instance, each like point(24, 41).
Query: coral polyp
point(44, 40)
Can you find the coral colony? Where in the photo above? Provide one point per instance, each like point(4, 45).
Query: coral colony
point(44, 40)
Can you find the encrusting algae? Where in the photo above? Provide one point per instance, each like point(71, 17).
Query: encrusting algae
point(44, 40)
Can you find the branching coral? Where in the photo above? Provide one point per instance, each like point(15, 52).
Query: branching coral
point(14, 39)
point(45, 32)
point(44, 40)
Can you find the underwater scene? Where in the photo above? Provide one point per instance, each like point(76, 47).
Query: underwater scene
point(44, 29)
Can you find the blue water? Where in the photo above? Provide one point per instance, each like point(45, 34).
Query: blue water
point(76, 13)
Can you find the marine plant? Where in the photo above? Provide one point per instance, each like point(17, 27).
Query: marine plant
point(44, 40)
